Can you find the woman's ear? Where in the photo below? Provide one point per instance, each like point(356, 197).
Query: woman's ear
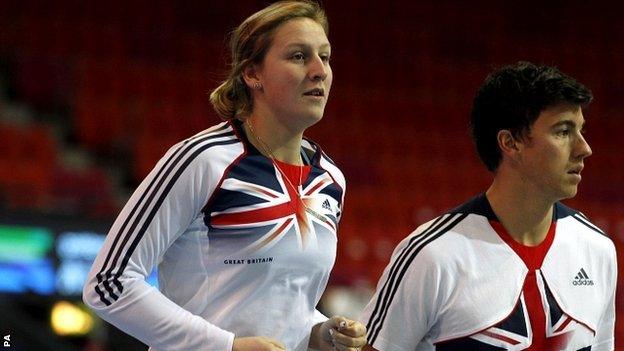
point(250, 75)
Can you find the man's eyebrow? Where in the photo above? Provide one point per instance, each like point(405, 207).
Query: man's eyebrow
point(568, 123)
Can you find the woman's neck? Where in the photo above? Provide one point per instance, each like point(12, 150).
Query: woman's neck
point(273, 139)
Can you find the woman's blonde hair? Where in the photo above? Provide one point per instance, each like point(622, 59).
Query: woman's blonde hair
point(249, 44)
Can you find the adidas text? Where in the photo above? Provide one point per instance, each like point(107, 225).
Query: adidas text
point(583, 282)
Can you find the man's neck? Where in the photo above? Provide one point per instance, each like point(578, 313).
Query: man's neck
point(525, 215)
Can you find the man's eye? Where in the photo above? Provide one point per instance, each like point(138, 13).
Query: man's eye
point(564, 132)
point(298, 56)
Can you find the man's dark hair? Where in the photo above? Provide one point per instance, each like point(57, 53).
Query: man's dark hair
point(512, 98)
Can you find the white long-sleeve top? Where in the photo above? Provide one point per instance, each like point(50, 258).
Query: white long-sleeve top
point(235, 255)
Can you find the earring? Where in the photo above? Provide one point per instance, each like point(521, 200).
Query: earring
point(257, 85)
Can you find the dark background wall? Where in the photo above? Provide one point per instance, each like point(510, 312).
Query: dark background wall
point(94, 92)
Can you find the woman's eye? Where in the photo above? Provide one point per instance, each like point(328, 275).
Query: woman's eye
point(325, 58)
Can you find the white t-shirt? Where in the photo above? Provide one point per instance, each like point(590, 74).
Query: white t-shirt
point(455, 284)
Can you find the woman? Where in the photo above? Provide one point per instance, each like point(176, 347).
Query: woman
point(241, 218)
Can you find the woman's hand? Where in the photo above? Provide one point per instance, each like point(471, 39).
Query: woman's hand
point(257, 343)
point(338, 333)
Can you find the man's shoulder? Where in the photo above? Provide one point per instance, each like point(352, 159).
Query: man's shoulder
point(456, 228)
point(453, 238)
point(478, 205)
point(580, 228)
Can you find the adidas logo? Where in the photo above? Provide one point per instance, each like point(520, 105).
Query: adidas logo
point(326, 205)
point(582, 278)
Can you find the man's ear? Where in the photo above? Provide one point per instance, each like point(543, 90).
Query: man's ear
point(250, 75)
point(508, 144)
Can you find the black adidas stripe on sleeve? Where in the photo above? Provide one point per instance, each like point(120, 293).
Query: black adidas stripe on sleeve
point(583, 220)
point(440, 226)
point(179, 159)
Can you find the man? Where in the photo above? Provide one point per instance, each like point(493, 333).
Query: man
point(513, 268)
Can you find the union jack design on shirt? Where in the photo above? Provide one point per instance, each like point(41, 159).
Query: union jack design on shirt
point(255, 207)
point(279, 210)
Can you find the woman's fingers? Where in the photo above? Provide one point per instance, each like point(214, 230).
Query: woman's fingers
point(348, 335)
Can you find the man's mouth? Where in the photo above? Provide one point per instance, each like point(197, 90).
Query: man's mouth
point(315, 92)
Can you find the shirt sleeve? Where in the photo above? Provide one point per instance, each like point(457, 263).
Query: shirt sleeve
point(317, 318)
point(605, 340)
point(405, 303)
point(158, 212)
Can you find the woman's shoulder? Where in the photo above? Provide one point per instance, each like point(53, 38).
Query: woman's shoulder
point(316, 156)
point(219, 142)
point(222, 130)
point(314, 153)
